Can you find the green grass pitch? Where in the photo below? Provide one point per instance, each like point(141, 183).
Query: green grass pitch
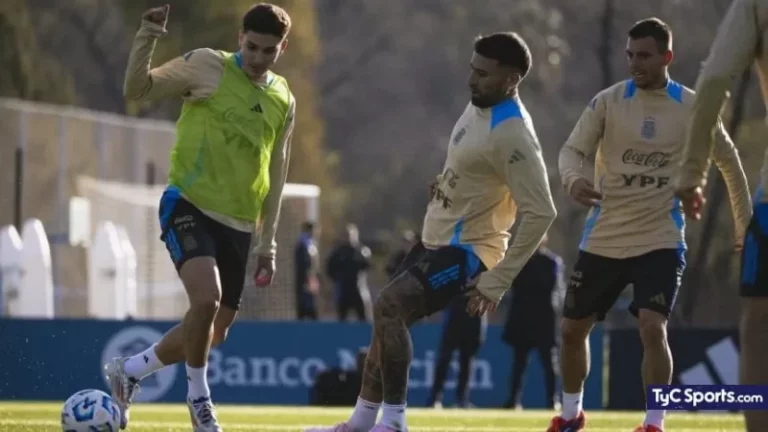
point(38, 417)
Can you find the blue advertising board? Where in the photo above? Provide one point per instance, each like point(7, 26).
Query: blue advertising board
point(260, 363)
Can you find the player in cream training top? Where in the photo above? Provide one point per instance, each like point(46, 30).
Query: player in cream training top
point(741, 41)
point(635, 229)
point(494, 170)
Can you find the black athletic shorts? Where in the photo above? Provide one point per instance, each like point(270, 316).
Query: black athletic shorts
point(754, 256)
point(189, 233)
point(597, 282)
point(443, 272)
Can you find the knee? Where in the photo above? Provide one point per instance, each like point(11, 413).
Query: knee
point(206, 302)
point(386, 307)
point(201, 281)
point(575, 332)
point(205, 305)
point(653, 328)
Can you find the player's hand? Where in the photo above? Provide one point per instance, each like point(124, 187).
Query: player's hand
point(158, 15)
point(584, 192)
point(479, 304)
point(265, 271)
point(693, 201)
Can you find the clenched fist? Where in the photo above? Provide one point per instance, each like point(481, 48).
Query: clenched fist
point(158, 15)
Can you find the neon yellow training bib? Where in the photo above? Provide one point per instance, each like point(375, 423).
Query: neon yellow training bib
point(220, 160)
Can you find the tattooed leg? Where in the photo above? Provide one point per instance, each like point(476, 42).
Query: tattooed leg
point(370, 389)
point(399, 305)
point(385, 375)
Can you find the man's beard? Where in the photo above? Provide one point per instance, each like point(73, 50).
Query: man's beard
point(480, 102)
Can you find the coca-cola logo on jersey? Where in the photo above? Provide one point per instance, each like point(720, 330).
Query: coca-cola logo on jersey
point(652, 159)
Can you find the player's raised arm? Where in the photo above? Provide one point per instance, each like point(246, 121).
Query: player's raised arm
point(728, 162)
point(173, 79)
point(581, 144)
point(278, 172)
point(519, 160)
point(732, 51)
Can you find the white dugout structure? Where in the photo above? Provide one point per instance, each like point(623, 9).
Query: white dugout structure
point(89, 244)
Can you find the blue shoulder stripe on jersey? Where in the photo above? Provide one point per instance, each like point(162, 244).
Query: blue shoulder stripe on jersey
point(504, 111)
point(675, 91)
point(630, 89)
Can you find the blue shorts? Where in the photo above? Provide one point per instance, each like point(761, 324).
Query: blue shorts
point(754, 256)
point(188, 233)
point(442, 272)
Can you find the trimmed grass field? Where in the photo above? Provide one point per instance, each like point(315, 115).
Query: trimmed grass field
point(38, 417)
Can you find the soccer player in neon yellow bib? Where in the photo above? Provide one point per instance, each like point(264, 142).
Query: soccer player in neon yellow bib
point(228, 168)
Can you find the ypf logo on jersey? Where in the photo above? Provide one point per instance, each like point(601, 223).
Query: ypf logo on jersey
point(133, 340)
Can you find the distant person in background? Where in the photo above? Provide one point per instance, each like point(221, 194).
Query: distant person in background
point(346, 267)
point(408, 240)
point(534, 310)
point(306, 277)
point(464, 333)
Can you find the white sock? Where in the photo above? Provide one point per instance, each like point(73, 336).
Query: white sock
point(655, 418)
point(364, 416)
point(197, 382)
point(143, 364)
point(572, 405)
point(393, 416)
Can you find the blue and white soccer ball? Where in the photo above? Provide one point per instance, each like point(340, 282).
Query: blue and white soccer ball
point(90, 411)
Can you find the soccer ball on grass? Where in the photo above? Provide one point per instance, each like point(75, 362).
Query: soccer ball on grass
point(90, 411)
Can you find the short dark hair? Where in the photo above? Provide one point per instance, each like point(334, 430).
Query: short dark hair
point(266, 18)
point(507, 48)
point(654, 28)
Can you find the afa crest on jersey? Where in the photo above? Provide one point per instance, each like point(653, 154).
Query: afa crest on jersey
point(648, 130)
